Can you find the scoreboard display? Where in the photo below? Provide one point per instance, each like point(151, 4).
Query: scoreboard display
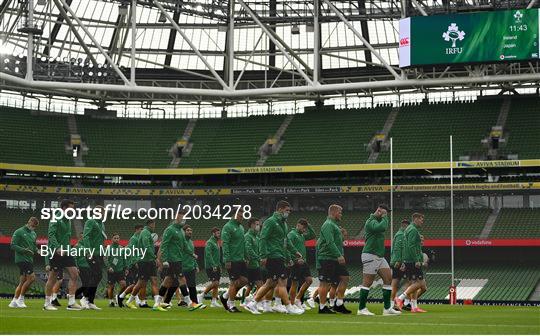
point(512, 35)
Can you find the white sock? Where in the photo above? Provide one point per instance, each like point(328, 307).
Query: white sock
point(187, 299)
point(321, 306)
point(402, 296)
point(297, 302)
point(226, 295)
point(14, 299)
point(131, 299)
point(214, 300)
point(122, 295)
point(413, 304)
point(54, 296)
point(277, 301)
point(332, 302)
point(407, 301)
point(71, 299)
point(230, 304)
point(339, 302)
point(111, 301)
point(157, 299)
point(47, 300)
point(138, 300)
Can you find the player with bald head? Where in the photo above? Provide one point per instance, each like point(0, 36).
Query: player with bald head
point(332, 261)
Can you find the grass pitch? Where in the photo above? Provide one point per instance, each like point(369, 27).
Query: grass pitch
point(440, 319)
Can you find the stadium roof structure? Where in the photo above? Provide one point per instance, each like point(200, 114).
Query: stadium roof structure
point(230, 51)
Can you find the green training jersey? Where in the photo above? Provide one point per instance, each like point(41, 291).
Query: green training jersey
point(173, 243)
point(23, 242)
point(133, 241)
point(397, 247)
point(189, 263)
point(274, 241)
point(412, 251)
point(80, 258)
point(115, 260)
point(146, 242)
point(330, 243)
point(211, 253)
point(298, 240)
point(233, 241)
point(93, 234)
point(59, 234)
point(252, 249)
point(374, 235)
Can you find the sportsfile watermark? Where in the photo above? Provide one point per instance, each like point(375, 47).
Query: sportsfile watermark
point(119, 212)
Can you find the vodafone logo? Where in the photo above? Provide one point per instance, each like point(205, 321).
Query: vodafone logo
point(404, 42)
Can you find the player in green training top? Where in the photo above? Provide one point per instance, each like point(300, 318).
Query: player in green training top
point(300, 273)
point(413, 259)
point(276, 249)
point(253, 258)
point(147, 266)
point(332, 261)
point(23, 242)
point(212, 266)
point(396, 260)
point(116, 267)
point(93, 238)
point(131, 267)
point(171, 252)
point(374, 263)
point(232, 236)
point(59, 236)
point(190, 268)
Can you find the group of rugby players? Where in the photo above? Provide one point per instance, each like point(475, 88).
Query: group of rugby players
point(267, 259)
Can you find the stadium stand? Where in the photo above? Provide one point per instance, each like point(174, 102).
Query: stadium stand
point(229, 142)
point(311, 138)
point(33, 139)
point(421, 132)
point(522, 138)
point(129, 143)
point(517, 223)
point(329, 137)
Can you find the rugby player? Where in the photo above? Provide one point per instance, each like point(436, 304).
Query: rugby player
point(190, 270)
point(147, 267)
point(93, 238)
point(253, 258)
point(116, 267)
point(233, 243)
point(59, 235)
point(276, 248)
point(131, 267)
point(212, 265)
point(374, 263)
point(332, 261)
point(23, 242)
point(413, 259)
point(396, 260)
point(300, 273)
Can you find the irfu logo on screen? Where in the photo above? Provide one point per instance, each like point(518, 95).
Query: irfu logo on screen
point(453, 34)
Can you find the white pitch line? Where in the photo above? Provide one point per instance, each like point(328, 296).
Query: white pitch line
point(363, 321)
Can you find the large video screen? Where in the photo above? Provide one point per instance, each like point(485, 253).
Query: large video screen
point(511, 35)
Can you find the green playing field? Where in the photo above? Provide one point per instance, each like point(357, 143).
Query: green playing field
point(440, 319)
